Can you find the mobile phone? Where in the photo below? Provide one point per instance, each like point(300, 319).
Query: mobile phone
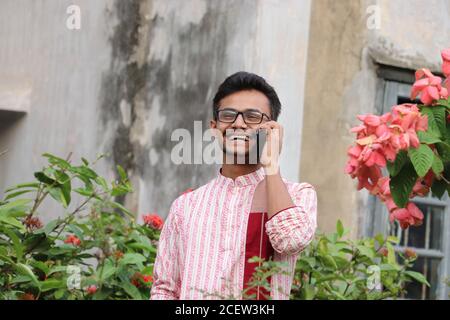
point(261, 138)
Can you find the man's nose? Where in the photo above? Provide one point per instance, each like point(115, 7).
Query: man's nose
point(239, 122)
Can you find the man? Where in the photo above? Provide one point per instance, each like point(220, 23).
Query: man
point(247, 210)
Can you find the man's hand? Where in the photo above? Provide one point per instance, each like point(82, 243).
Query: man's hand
point(272, 148)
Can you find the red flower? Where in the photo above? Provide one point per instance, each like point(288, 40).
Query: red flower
point(153, 221)
point(187, 190)
point(27, 296)
point(118, 254)
point(91, 289)
point(410, 253)
point(73, 240)
point(147, 278)
point(384, 251)
point(32, 223)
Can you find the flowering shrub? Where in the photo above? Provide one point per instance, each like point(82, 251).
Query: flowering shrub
point(98, 251)
point(412, 142)
point(95, 251)
point(332, 268)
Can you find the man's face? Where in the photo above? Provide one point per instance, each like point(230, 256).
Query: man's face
point(238, 138)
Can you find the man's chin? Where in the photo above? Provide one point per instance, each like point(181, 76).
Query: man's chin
point(239, 157)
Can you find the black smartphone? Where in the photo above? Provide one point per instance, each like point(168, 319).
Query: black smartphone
point(261, 137)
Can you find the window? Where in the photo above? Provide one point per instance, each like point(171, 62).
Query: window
point(431, 241)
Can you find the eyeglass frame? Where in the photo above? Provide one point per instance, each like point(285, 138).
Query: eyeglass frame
point(216, 113)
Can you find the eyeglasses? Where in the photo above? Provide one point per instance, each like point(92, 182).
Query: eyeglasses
point(249, 116)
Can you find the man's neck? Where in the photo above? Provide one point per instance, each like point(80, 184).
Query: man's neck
point(236, 170)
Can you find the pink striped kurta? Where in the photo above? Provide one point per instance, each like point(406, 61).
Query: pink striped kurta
point(202, 247)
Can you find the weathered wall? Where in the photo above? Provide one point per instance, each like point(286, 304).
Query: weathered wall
point(57, 72)
point(136, 71)
point(334, 59)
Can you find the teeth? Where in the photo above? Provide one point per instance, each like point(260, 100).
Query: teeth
point(234, 137)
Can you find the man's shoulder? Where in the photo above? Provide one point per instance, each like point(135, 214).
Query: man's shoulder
point(188, 197)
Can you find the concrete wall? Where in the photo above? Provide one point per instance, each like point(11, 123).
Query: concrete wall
point(55, 73)
point(134, 72)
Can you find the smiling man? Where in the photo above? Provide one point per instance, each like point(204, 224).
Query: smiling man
point(247, 210)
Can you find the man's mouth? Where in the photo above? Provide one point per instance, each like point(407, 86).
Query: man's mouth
point(238, 137)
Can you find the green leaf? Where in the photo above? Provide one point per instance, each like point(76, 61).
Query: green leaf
point(433, 127)
point(444, 103)
point(84, 171)
point(438, 188)
point(438, 165)
point(52, 284)
point(18, 193)
point(122, 173)
point(108, 270)
point(20, 204)
point(41, 266)
point(444, 151)
point(131, 290)
point(48, 227)
point(329, 262)
point(59, 294)
point(12, 221)
point(132, 258)
point(85, 162)
point(307, 292)
point(427, 137)
point(388, 267)
point(439, 116)
point(421, 158)
point(102, 182)
point(42, 177)
point(26, 271)
point(139, 245)
point(340, 228)
point(365, 251)
point(18, 247)
point(391, 254)
point(57, 194)
point(395, 167)
point(33, 185)
point(56, 160)
point(417, 276)
point(402, 184)
point(84, 192)
point(122, 208)
point(393, 239)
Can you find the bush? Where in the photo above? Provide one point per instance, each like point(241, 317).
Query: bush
point(96, 251)
point(367, 269)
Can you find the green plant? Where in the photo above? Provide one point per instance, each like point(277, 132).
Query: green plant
point(94, 250)
point(367, 269)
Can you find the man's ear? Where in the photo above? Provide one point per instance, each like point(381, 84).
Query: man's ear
point(213, 124)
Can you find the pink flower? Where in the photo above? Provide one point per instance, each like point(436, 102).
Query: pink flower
point(409, 216)
point(429, 87)
point(153, 220)
point(446, 62)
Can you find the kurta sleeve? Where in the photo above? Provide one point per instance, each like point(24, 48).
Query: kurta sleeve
point(166, 272)
point(292, 229)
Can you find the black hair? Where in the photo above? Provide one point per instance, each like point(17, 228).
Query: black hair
point(241, 81)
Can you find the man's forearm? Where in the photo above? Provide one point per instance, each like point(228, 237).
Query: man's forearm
point(278, 197)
